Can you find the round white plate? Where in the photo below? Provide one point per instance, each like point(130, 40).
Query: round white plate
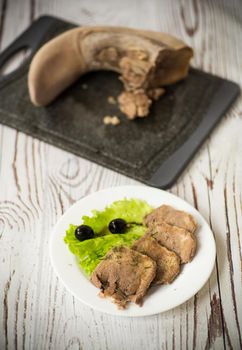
point(158, 299)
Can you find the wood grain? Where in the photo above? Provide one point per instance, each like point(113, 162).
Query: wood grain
point(39, 182)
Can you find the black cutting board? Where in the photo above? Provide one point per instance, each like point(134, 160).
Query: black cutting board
point(154, 150)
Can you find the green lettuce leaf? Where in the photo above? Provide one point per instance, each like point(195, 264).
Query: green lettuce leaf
point(89, 253)
point(131, 210)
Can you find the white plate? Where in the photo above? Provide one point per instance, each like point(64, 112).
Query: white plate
point(192, 277)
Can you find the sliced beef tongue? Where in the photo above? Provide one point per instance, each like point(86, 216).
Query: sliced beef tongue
point(177, 239)
point(168, 262)
point(171, 216)
point(124, 275)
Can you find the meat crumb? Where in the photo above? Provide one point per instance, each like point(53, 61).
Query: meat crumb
point(134, 104)
point(111, 100)
point(111, 120)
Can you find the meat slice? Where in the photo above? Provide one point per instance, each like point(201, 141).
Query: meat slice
point(177, 239)
point(172, 217)
point(124, 275)
point(168, 262)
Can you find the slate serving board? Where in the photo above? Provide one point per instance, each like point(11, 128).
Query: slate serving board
point(153, 150)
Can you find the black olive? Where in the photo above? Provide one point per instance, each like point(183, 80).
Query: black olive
point(117, 226)
point(84, 232)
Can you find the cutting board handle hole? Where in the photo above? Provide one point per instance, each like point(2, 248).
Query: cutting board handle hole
point(14, 60)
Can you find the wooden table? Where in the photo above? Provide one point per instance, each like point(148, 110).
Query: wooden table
point(39, 182)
